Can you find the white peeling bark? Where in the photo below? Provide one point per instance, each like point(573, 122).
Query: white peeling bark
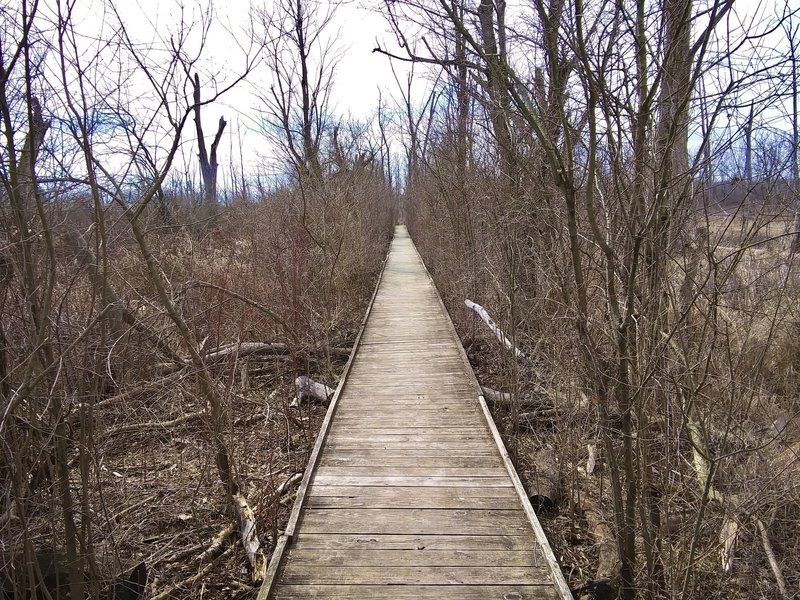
point(307, 388)
point(498, 333)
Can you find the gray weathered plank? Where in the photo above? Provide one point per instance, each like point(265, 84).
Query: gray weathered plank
point(406, 458)
point(393, 541)
point(415, 521)
point(305, 574)
point(417, 592)
point(443, 490)
point(430, 472)
point(413, 501)
point(411, 481)
point(406, 442)
point(414, 558)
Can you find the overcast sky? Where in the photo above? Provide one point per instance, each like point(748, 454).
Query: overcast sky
point(356, 28)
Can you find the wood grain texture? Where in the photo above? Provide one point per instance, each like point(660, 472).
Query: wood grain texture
point(489, 543)
point(410, 494)
point(417, 592)
point(413, 558)
point(414, 521)
point(295, 573)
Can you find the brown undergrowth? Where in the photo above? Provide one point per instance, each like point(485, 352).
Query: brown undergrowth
point(716, 421)
point(269, 292)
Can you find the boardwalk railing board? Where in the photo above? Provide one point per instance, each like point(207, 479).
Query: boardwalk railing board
point(410, 488)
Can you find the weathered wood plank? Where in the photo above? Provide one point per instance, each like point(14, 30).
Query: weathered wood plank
point(344, 541)
point(423, 437)
point(384, 575)
point(478, 447)
point(411, 481)
point(404, 416)
point(379, 492)
point(427, 472)
point(332, 496)
point(413, 501)
point(357, 458)
point(341, 429)
point(415, 521)
point(386, 402)
point(434, 412)
point(414, 558)
point(377, 419)
point(402, 452)
point(385, 450)
point(416, 592)
point(410, 426)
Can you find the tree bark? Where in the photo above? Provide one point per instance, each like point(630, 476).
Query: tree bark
point(499, 104)
point(208, 162)
point(308, 389)
point(546, 487)
point(498, 333)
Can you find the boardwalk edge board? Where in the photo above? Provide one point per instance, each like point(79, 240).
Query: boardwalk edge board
point(280, 547)
point(562, 588)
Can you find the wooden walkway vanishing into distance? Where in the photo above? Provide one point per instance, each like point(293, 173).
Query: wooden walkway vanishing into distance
point(409, 492)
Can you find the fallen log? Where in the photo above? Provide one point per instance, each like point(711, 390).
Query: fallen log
point(255, 350)
point(773, 562)
point(545, 488)
point(498, 333)
point(728, 536)
point(496, 397)
point(537, 397)
point(238, 350)
point(283, 488)
point(308, 389)
point(604, 584)
point(591, 462)
point(205, 552)
point(216, 545)
point(249, 538)
point(282, 492)
point(134, 427)
point(189, 581)
point(245, 349)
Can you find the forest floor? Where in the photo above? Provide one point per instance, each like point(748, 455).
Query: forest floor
point(163, 490)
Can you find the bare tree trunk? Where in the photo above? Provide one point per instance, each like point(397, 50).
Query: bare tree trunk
point(208, 162)
point(499, 104)
point(795, 185)
point(748, 148)
point(462, 146)
point(310, 139)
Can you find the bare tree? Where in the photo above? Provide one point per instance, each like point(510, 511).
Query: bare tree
point(792, 36)
point(46, 418)
point(208, 161)
point(303, 61)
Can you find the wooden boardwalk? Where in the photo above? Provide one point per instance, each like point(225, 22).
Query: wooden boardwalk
point(409, 492)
